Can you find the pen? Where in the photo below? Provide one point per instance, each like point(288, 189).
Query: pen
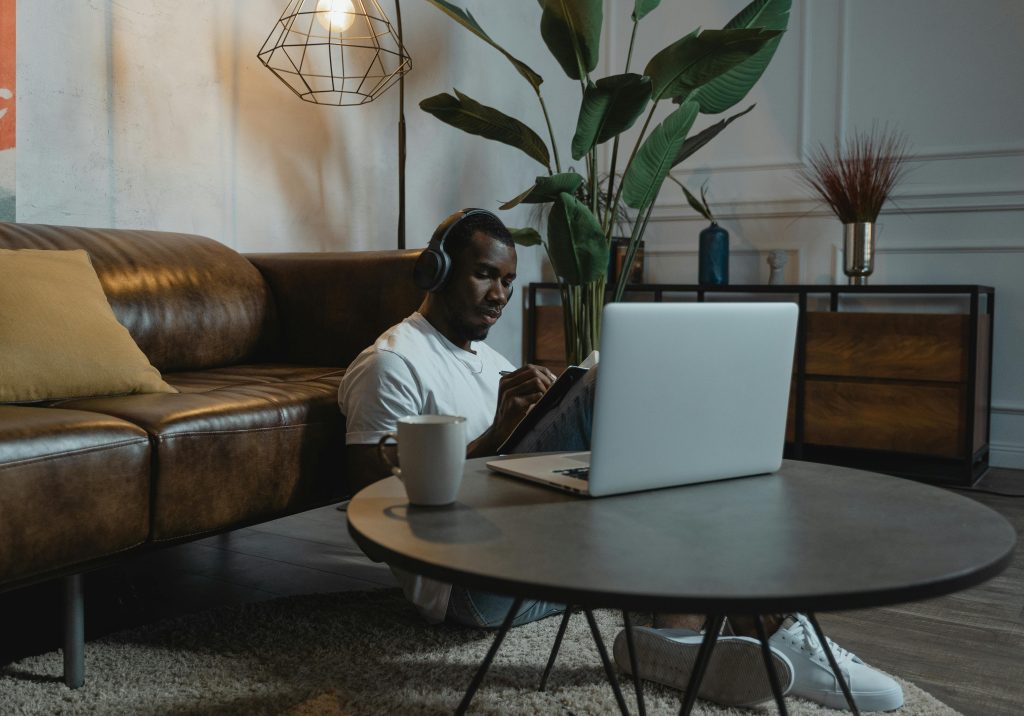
point(504, 372)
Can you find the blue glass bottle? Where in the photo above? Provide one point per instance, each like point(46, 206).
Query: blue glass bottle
point(714, 256)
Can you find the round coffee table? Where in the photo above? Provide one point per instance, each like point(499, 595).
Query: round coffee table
point(807, 538)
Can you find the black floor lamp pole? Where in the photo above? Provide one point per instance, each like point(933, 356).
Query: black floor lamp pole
point(401, 137)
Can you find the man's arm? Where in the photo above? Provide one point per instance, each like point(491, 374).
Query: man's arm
point(375, 393)
point(364, 466)
point(517, 393)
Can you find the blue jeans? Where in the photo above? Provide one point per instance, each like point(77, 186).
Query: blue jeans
point(567, 427)
point(486, 610)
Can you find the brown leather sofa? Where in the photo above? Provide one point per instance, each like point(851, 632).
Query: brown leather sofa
point(255, 344)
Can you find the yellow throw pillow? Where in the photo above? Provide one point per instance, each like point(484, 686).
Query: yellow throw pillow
point(58, 336)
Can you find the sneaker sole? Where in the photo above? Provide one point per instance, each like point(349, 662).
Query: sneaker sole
point(735, 676)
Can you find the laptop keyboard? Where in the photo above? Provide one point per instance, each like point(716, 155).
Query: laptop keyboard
point(581, 473)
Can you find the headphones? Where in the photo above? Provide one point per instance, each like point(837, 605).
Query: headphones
point(434, 265)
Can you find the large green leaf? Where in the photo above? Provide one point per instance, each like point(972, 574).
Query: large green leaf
point(470, 116)
point(572, 31)
point(466, 19)
point(642, 7)
point(692, 144)
point(526, 236)
point(700, 206)
point(609, 107)
point(696, 59)
point(547, 188)
point(576, 244)
point(769, 14)
point(647, 172)
point(731, 86)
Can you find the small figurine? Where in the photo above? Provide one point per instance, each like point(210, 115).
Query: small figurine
point(777, 262)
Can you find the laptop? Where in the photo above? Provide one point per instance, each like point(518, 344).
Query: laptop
point(686, 393)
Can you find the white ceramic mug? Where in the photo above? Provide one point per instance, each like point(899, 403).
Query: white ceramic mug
point(431, 457)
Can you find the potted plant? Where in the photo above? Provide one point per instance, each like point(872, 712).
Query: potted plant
point(704, 72)
point(856, 181)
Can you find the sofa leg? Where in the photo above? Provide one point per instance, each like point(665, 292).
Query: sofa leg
point(74, 632)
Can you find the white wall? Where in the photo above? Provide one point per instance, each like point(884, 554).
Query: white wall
point(154, 114)
point(158, 115)
point(946, 72)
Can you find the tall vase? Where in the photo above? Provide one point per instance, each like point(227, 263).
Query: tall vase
point(581, 313)
point(858, 252)
point(714, 256)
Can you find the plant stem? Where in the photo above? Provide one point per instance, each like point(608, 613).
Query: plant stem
point(551, 134)
point(632, 156)
point(608, 220)
point(581, 318)
point(634, 242)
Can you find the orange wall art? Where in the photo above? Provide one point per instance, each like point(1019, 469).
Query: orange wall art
point(7, 99)
point(7, 59)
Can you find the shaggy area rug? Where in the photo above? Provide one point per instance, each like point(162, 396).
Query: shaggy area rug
point(349, 653)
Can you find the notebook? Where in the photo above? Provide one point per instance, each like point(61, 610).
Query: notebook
point(686, 393)
point(551, 400)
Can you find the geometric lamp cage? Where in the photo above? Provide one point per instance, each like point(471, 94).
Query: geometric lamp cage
point(336, 52)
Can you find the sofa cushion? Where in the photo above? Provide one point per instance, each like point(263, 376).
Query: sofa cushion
point(188, 301)
point(58, 336)
point(237, 445)
point(74, 487)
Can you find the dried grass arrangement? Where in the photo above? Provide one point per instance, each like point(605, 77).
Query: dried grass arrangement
point(855, 181)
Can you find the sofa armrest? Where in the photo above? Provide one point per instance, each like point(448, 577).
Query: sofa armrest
point(330, 306)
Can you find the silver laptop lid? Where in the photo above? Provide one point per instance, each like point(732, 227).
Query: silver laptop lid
point(690, 392)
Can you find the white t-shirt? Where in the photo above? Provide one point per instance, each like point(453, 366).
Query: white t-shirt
point(411, 369)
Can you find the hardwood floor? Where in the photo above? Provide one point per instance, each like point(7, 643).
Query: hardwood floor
point(965, 648)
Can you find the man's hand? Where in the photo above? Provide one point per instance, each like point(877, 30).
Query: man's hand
point(517, 393)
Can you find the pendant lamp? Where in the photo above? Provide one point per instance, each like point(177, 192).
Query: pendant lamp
point(342, 52)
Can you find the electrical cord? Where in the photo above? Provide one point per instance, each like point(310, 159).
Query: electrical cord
point(984, 491)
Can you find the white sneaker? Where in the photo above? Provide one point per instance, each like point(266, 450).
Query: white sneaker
point(735, 675)
point(813, 678)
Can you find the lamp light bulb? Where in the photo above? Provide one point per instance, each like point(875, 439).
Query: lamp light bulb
point(335, 15)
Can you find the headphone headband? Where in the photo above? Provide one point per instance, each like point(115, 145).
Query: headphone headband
point(434, 265)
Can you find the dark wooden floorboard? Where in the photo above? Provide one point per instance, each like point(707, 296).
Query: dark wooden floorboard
point(966, 648)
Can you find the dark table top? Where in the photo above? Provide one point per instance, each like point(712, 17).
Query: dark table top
point(809, 537)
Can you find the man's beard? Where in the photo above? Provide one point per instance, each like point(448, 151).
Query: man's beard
point(471, 332)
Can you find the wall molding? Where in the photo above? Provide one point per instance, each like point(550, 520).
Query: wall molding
point(954, 249)
point(980, 151)
point(901, 204)
point(696, 252)
point(1008, 408)
point(1006, 455)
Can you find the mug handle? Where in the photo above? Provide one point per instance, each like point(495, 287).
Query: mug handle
point(395, 470)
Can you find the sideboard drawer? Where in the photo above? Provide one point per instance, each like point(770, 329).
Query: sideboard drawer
point(901, 346)
point(896, 417)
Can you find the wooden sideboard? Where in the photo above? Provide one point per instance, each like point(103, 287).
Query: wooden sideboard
point(893, 378)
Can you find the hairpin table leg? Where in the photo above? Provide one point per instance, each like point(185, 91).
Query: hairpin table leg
point(769, 665)
point(555, 647)
point(711, 629)
point(637, 686)
point(608, 670)
point(482, 670)
point(832, 662)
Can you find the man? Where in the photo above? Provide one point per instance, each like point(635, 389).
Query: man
point(435, 362)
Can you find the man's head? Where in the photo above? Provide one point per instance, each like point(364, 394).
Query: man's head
point(479, 281)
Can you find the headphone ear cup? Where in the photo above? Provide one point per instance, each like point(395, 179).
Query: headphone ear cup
point(431, 270)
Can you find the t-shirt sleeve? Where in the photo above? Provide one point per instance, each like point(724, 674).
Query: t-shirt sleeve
point(378, 388)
